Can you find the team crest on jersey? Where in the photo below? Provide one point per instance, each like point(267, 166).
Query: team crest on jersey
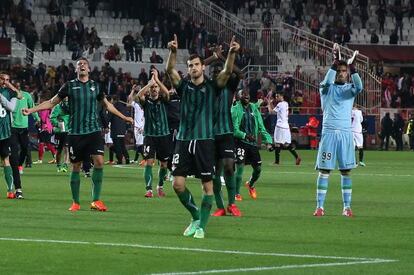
point(93, 89)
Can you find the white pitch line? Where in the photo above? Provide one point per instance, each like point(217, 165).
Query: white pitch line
point(292, 172)
point(191, 249)
point(355, 260)
point(266, 268)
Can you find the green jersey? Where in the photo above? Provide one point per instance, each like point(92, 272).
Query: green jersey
point(20, 120)
point(60, 118)
point(197, 110)
point(223, 122)
point(247, 120)
point(5, 122)
point(83, 98)
point(155, 114)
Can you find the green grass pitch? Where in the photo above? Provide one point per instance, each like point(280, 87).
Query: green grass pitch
point(276, 235)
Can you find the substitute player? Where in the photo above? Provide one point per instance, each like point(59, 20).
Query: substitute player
point(357, 119)
point(194, 151)
point(85, 138)
point(281, 135)
point(157, 138)
point(248, 125)
point(336, 145)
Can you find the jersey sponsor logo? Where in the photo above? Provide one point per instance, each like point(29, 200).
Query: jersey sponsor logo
point(205, 173)
point(75, 88)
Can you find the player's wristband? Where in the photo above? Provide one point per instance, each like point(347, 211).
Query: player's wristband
point(352, 69)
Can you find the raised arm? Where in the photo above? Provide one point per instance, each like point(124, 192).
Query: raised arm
point(110, 107)
point(171, 62)
point(140, 96)
point(48, 104)
point(224, 75)
point(163, 90)
point(270, 107)
point(19, 93)
point(356, 79)
point(331, 74)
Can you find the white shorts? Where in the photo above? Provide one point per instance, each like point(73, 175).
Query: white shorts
point(358, 139)
point(282, 135)
point(108, 139)
point(139, 136)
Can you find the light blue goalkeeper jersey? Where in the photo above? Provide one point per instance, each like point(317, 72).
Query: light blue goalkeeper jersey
point(337, 101)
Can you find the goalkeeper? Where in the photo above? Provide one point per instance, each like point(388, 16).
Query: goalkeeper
point(336, 145)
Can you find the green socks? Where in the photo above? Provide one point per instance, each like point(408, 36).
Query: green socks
point(75, 186)
point(231, 187)
point(148, 177)
point(8, 176)
point(97, 176)
point(161, 175)
point(218, 195)
point(187, 200)
point(257, 170)
point(205, 210)
point(239, 176)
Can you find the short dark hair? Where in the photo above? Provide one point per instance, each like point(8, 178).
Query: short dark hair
point(82, 58)
point(342, 63)
point(194, 56)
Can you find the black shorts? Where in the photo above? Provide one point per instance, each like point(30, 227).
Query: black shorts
point(224, 146)
point(5, 148)
point(195, 157)
point(159, 147)
point(44, 136)
point(247, 154)
point(61, 140)
point(81, 147)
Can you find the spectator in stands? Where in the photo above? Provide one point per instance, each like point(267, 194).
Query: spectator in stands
point(45, 39)
point(165, 33)
point(62, 71)
point(314, 25)
point(92, 5)
point(252, 8)
point(147, 34)
point(31, 37)
point(67, 7)
point(3, 29)
point(19, 29)
point(113, 53)
point(129, 42)
point(53, 8)
point(155, 36)
point(398, 11)
point(155, 58)
point(138, 45)
point(394, 37)
point(143, 78)
point(80, 27)
point(53, 32)
point(381, 12)
point(374, 37)
point(363, 12)
point(60, 30)
point(267, 18)
point(328, 33)
point(254, 86)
